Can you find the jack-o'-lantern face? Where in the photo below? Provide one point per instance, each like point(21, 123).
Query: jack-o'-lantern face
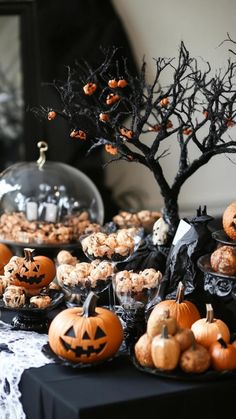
point(29, 271)
point(85, 334)
point(85, 345)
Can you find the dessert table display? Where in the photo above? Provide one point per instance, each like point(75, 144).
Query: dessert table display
point(123, 356)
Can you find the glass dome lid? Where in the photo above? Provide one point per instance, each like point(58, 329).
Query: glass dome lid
point(47, 202)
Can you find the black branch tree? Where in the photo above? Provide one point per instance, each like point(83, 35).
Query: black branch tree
point(109, 107)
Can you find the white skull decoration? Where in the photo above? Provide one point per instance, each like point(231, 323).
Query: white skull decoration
point(160, 232)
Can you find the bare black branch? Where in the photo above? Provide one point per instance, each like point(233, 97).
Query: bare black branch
point(197, 108)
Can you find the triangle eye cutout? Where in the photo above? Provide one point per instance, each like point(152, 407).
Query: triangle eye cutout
point(99, 333)
point(36, 268)
point(85, 335)
point(71, 332)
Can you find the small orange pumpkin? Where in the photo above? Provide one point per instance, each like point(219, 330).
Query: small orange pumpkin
point(196, 359)
point(142, 350)
point(5, 256)
point(156, 321)
point(85, 334)
point(185, 337)
point(165, 351)
point(223, 355)
point(207, 329)
point(30, 272)
point(185, 312)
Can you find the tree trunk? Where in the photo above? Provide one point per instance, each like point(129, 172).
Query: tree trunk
point(171, 214)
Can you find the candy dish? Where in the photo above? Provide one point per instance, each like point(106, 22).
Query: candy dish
point(105, 249)
point(221, 237)
point(33, 318)
point(216, 283)
point(76, 295)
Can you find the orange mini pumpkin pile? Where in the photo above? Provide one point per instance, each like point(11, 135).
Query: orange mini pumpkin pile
point(168, 344)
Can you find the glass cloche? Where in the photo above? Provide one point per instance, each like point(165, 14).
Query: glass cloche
point(47, 203)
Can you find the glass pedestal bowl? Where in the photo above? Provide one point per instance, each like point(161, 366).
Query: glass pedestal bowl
point(78, 280)
point(134, 291)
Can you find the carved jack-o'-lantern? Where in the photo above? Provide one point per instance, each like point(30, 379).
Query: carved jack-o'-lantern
point(85, 334)
point(30, 272)
point(5, 256)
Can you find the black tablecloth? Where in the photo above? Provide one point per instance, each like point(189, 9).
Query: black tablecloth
point(117, 390)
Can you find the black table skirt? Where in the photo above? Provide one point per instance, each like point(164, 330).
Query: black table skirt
point(117, 390)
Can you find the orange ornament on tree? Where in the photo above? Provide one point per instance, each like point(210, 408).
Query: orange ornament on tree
point(110, 149)
point(164, 102)
point(51, 115)
point(127, 133)
point(122, 83)
point(81, 135)
point(112, 83)
point(90, 88)
point(112, 98)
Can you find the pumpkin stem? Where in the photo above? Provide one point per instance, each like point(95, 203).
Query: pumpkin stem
point(209, 313)
point(29, 254)
point(221, 341)
point(90, 304)
point(180, 293)
point(164, 332)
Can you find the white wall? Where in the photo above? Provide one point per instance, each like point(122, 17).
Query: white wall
point(155, 28)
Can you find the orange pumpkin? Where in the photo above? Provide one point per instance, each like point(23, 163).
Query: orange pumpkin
point(142, 350)
point(207, 329)
point(196, 359)
point(223, 355)
point(229, 220)
point(185, 312)
point(165, 350)
point(5, 256)
point(85, 334)
point(30, 272)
